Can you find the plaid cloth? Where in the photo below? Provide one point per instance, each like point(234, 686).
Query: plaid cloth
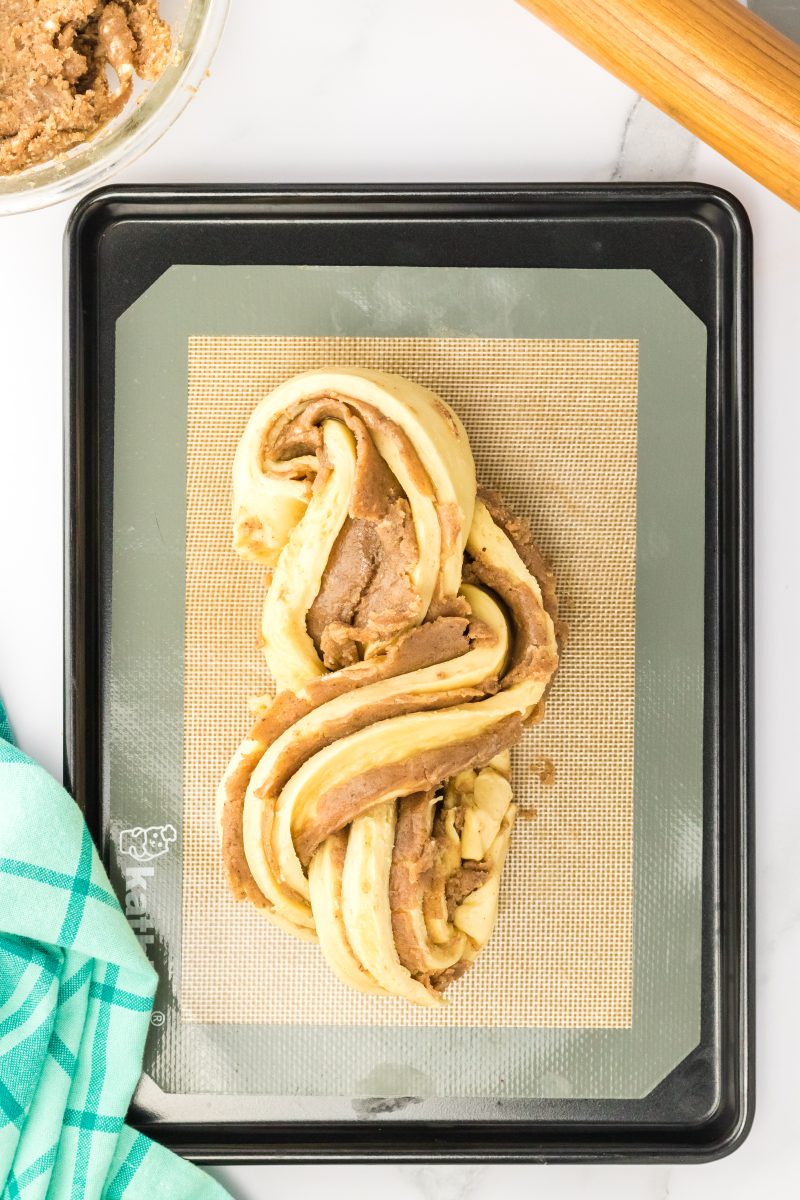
point(76, 993)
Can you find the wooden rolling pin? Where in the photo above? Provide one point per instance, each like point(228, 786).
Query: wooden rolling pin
point(714, 66)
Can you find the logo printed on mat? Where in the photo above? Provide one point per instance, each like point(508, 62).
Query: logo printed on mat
point(143, 845)
point(146, 844)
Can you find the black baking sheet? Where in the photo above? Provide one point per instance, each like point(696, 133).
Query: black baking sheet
point(697, 242)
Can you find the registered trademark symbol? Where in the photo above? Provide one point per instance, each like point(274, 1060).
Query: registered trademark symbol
point(157, 1018)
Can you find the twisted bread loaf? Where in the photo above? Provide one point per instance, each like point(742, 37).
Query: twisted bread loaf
point(408, 624)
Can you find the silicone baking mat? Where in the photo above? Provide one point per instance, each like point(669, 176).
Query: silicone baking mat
point(552, 424)
point(578, 409)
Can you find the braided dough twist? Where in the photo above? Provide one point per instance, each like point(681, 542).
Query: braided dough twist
point(409, 625)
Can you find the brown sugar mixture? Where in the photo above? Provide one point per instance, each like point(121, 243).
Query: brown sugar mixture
point(67, 68)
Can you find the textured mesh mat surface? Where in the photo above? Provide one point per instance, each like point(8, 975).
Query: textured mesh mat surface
point(553, 428)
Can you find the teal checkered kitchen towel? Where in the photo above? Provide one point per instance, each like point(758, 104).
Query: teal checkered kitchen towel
point(76, 993)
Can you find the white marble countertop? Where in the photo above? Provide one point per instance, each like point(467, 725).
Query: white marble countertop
point(442, 90)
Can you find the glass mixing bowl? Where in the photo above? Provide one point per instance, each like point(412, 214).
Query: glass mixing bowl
point(196, 27)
